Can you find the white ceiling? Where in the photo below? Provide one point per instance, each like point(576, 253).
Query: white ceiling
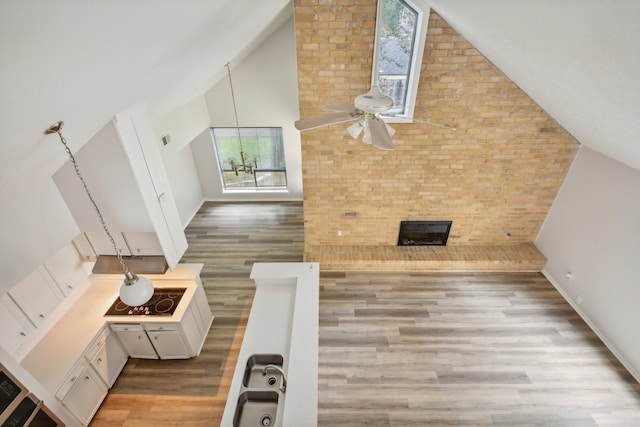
point(84, 61)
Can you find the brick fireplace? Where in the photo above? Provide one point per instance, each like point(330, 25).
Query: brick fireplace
point(424, 233)
point(495, 177)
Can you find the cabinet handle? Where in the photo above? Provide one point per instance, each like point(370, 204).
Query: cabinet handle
point(99, 360)
point(69, 287)
point(73, 379)
point(23, 334)
point(162, 197)
point(41, 316)
point(86, 378)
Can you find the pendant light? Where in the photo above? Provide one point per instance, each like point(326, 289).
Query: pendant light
point(135, 290)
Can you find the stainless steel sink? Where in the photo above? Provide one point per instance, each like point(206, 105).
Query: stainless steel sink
point(256, 408)
point(256, 376)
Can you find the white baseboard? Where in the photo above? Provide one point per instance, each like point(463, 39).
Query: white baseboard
point(593, 327)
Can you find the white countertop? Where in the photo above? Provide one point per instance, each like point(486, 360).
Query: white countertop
point(284, 320)
point(57, 352)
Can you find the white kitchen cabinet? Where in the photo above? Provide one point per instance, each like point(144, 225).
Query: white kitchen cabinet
point(102, 244)
point(37, 295)
point(107, 356)
point(135, 340)
point(82, 392)
point(15, 327)
point(140, 243)
point(168, 341)
point(201, 311)
point(67, 268)
point(138, 140)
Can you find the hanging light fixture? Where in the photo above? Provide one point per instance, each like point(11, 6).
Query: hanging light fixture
point(135, 290)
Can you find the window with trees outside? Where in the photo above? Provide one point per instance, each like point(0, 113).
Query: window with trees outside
point(400, 36)
point(250, 158)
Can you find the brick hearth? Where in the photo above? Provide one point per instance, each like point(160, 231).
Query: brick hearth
point(521, 257)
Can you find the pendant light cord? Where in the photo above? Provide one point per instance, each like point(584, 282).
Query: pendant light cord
point(235, 112)
point(127, 273)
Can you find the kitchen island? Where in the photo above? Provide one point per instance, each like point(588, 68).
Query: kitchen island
point(283, 321)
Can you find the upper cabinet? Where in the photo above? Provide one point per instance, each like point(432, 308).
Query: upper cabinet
point(138, 139)
point(35, 221)
point(37, 296)
point(124, 172)
point(67, 268)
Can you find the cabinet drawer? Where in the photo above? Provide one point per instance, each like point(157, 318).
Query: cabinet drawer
point(97, 342)
point(161, 326)
point(126, 327)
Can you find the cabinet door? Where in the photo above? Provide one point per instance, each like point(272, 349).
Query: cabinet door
point(14, 331)
point(169, 344)
point(138, 140)
point(143, 243)
point(37, 295)
point(109, 360)
point(85, 395)
point(135, 341)
point(67, 268)
point(202, 311)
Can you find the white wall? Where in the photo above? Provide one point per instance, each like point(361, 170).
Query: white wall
point(182, 126)
point(592, 232)
point(34, 224)
point(266, 92)
point(104, 166)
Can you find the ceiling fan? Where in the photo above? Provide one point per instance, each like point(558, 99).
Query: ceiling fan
point(368, 109)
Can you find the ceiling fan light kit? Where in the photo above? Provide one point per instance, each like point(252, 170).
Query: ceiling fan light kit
point(367, 109)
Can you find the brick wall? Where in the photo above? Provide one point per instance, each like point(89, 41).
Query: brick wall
point(495, 177)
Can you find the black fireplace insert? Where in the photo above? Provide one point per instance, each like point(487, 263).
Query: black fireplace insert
point(424, 233)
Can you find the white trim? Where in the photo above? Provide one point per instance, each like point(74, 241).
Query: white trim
point(422, 23)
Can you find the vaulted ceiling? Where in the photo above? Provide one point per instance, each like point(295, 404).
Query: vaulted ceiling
point(85, 61)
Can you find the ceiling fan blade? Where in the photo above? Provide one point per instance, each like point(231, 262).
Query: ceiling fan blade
point(379, 134)
point(339, 107)
point(328, 119)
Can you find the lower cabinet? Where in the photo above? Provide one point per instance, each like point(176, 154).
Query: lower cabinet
point(135, 340)
point(83, 392)
point(168, 342)
point(94, 373)
point(153, 340)
point(109, 359)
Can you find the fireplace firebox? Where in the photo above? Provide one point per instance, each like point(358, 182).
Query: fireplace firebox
point(424, 233)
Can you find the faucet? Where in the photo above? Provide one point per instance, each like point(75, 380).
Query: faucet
point(283, 385)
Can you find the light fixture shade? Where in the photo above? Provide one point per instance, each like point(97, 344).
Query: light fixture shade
point(391, 130)
point(366, 138)
point(136, 290)
point(355, 130)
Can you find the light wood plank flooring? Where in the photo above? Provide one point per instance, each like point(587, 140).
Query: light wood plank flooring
point(396, 349)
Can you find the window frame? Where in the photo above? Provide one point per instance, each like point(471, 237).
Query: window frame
point(252, 189)
point(413, 80)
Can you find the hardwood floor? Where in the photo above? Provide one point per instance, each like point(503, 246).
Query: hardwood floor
point(396, 349)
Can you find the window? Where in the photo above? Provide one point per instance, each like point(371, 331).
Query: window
point(400, 36)
point(250, 158)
